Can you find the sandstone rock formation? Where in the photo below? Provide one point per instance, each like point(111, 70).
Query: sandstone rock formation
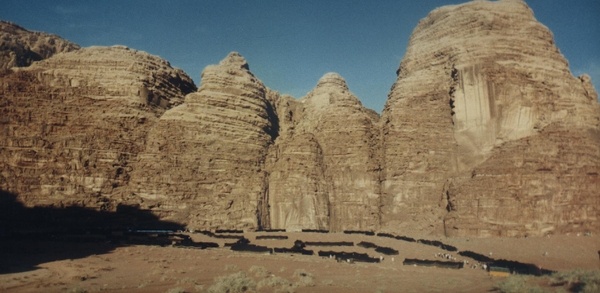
point(480, 80)
point(20, 47)
point(324, 172)
point(72, 124)
point(203, 164)
point(485, 133)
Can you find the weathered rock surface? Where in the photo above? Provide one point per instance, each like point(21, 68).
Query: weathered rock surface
point(480, 79)
point(324, 169)
point(546, 183)
point(20, 47)
point(485, 133)
point(204, 160)
point(72, 124)
point(120, 72)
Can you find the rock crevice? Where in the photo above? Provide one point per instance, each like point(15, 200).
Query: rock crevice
point(485, 133)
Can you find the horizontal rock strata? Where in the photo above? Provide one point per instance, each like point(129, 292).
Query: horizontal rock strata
point(72, 124)
point(324, 172)
point(20, 47)
point(478, 78)
point(204, 158)
point(485, 133)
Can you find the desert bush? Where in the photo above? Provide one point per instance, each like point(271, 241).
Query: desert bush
point(512, 284)
point(327, 282)
point(584, 281)
point(176, 290)
point(284, 289)
point(260, 272)
point(305, 279)
point(144, 283)
point(273, 282)
point(78, 290)
point(234, 283)
point(299, 273)
point(518, 284)
point(232, 268)
point(187, 280)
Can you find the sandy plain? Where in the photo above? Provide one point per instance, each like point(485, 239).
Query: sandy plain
point(56, 266)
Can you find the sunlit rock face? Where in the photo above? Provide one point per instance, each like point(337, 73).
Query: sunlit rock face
point(485, 133)
point(72, 124)
point(203, 164)
point(20, 47)
point(479, 79)
point(324, 173)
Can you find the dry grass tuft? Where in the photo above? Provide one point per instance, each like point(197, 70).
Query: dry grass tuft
point(274, 282)
point(305, 279)
point(259, 272)
point(232, 268)
point(234, 283)
point(580, 280)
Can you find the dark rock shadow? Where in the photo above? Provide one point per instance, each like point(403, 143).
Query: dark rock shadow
point(32, 236)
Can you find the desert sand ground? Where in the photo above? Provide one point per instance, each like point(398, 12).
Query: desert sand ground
point(71, 267)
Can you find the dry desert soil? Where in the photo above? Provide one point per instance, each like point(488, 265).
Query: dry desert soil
point(53, 266)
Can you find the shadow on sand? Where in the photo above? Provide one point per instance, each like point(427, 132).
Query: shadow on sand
point(32, 236)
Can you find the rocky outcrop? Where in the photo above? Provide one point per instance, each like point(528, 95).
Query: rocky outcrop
point(546, 183)
point(204, 160)
point(119, 72)
point(20, 47)
point(298, 193)
point(71, 125)
point(324, 172)
point(479, 79)
point(485, 133)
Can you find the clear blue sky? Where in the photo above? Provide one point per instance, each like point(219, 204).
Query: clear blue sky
point(289, 45)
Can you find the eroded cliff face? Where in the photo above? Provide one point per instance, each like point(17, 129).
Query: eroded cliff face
point(203, 165)
point(485, 133)
point(72, 124)
point(479, 79)
point(324, 171)
point(20, 47)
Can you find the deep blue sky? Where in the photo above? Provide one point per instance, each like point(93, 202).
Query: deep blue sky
point(289, 45)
